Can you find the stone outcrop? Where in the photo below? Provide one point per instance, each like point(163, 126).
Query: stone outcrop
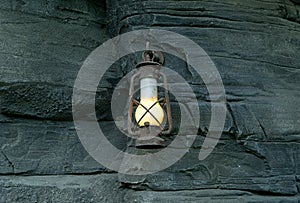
point(254, 44)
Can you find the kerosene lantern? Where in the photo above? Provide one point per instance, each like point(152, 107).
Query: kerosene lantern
point(149, 116)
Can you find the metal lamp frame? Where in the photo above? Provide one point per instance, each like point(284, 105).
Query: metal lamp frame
point(149, 68)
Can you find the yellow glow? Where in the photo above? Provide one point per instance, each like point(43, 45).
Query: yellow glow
point(156, 110)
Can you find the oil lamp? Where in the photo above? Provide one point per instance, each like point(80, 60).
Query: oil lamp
point(149, 116)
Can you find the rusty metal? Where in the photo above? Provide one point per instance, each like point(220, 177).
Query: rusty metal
point(167, 103)
point(149, 68)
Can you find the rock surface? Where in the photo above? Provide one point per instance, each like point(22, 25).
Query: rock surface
point(256, 48)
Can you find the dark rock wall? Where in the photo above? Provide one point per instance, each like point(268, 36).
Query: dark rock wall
point(256, 48)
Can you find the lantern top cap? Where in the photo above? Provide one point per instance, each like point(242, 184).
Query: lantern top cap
point(151, 57)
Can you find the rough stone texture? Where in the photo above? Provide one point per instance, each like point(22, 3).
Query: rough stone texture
point(201, 196)
point(30, 147)
point(256, 48)
point(42, 47)
point(97, 188)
